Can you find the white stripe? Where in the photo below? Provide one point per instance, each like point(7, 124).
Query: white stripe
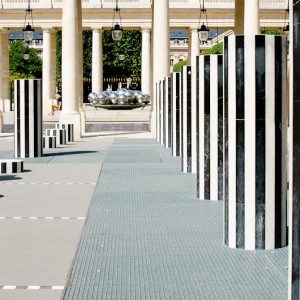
point(214, 178)
point(33, 287)
point(16, 116)
point(270, 144)
point(9, 287)
point(17, 218)
point(31, 141)
point(32, 218)
point(250, 143)
point(22, 117)
point(65, 218)
point(49, 218)
point(174, 121)
point(184, 124)
point(166, 95)
point(81, 218)
point(231, 142)
point(201, 127)
point(161, 97)
point(194, 115)
point(57, 287)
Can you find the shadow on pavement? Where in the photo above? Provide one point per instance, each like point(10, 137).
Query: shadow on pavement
point(69, 153)
point(9, 177)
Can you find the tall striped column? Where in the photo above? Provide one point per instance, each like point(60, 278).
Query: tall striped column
point(209, 110)
point(255, 141)
point(28, 118)
point(167, 112)
point(294, 155)
point(175, 95)
point(186, 119)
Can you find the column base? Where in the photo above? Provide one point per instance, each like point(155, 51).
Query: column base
point(72, 118)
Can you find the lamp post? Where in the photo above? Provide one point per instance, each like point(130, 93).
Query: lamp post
point(203, 29)
point(28, 30)
point(117, 30)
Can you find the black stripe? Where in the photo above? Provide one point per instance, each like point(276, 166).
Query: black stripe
point(189, 119)
point(207, 127)
point(278, 142)
point(44, 142)
point(197, 126)
point(169, 113)
point(3, 168)
point(172, 109)
point(260, 165)
point(240, 142)
point(181, 116)
point(14, 167)
point(220, 128)
point(177, 114)
point(163, 112)
point(35, 119)
point(18, 120)
point(22, 166)
point(225, 72)
point(26, 119)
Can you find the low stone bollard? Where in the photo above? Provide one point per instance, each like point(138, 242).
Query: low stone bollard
point(49, 142)
point(11, 166)
point(69, 130)
point(60, 134)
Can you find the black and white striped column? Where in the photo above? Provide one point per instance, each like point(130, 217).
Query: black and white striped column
point(186, 119)
point(49, 142)
point(69, 130)
point(11, 166)
point(167, 112)
point(28, 118)
point(255, 141)
point(209, 90)
point(294, 155)
point(175, 95)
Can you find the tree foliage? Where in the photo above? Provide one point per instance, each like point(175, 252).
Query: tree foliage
point(17, 64)
point(177, 67)
point(216, 49)
point(130, 45)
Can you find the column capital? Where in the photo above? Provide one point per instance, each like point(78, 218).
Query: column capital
point(146, 29)
point(96, 28)
point(193, 28)
point(49, 29)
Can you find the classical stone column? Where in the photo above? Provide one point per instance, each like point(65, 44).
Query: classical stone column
point(146, 61)
point(49, 69)
point(251, 19)
point(194, 52)
point(4, 71)
point(239, 17)
point(161, 48)
point(80, 54)
point(70, 68)
point(97, 61)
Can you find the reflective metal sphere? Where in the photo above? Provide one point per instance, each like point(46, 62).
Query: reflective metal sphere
point(101, 98)
point(113, 98)
point(92, 97)
point(122, 99)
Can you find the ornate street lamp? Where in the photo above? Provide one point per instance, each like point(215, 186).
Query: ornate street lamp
point(203, 29)
point(28, 30)
point(117, 30)
point(121, 56)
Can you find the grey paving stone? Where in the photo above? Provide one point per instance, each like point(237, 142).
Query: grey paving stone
point(148, 237)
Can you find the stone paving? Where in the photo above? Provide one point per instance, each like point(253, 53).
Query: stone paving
point(148, 237)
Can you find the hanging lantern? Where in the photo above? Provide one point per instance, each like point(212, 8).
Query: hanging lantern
point(203, 30)
point(28, 30)
point(117, 30)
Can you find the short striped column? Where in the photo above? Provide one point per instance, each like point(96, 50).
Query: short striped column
point(28, 118)
point(60, 134)
point(209, 109)
point(255, 142)
point(69, 130)
point(49, 142)
point(167, 112)
point(175, 95)
point(11, 166)
point(186, 119)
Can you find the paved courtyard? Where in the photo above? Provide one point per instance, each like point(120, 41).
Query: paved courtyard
point(114, 218)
